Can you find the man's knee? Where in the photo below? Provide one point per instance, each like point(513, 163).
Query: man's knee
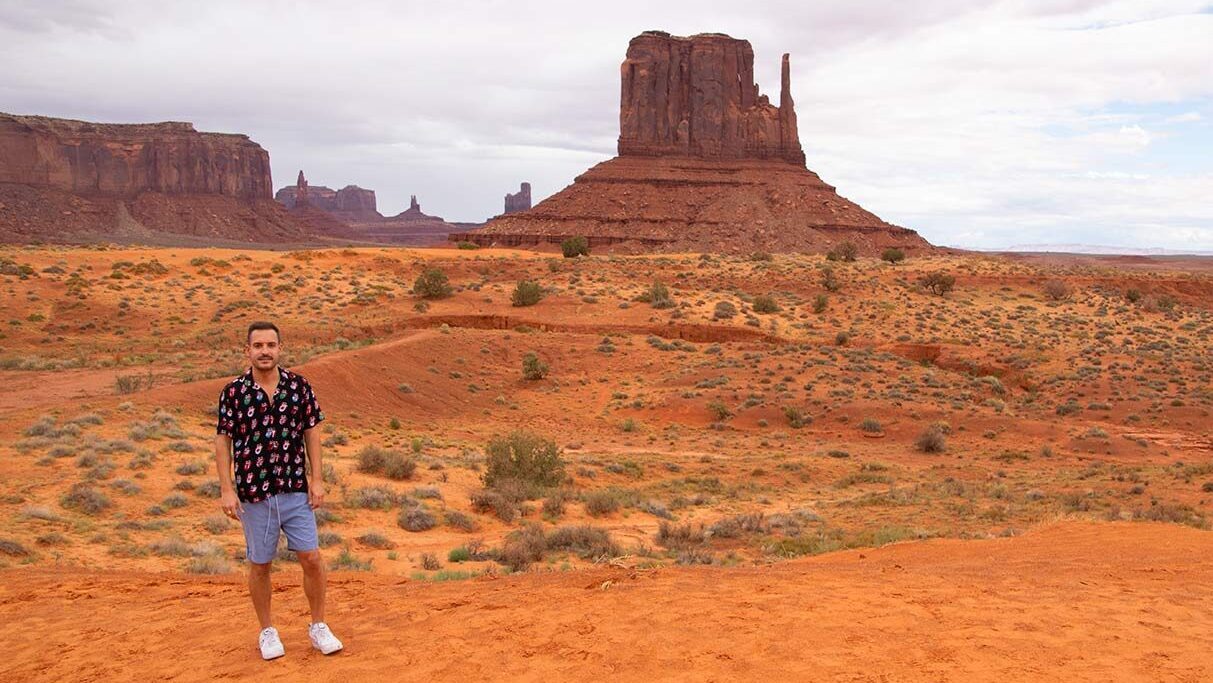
point(260, 570)
point(311, 561)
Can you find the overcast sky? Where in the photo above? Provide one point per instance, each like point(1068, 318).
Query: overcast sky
point(978, 123)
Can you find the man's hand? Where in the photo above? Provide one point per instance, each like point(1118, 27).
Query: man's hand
point(230, 504)
point(315, 495)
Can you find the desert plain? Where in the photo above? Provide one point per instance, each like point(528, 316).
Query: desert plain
point(778, 466)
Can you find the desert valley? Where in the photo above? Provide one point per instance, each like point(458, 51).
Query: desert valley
point(775, 436)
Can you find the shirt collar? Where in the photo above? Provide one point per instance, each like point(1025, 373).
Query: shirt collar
point(249, 382)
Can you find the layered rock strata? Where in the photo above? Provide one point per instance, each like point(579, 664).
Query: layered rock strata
point(60, 177)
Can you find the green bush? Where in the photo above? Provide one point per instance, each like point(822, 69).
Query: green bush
point(523, 456)
point(765, 303)
point(820, 302)
point(575, 246)
point(893, 255)
point(657, 296)
point(389, 463)
point(527, 293)
point(938, 283)
point(846, 251)
point(829, 280)
point(533, 368)
point(432, 284)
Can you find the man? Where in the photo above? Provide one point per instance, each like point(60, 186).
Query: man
point(267, 428)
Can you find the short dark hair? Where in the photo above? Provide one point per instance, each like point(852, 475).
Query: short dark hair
point(262, 325)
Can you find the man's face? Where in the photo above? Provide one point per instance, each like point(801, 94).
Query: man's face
point(263, 349)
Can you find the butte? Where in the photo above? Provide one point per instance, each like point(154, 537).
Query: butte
point(705, 163)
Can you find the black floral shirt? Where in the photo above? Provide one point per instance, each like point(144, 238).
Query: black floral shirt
point(267, 438)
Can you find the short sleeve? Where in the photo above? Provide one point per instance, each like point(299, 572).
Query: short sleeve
point(312, 415)
point(225, 418)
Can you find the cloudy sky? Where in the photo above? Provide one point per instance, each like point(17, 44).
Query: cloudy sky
point(979, 123)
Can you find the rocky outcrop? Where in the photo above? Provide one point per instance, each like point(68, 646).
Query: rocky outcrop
point(350, 202)
point(61, 178)
point(697, 97)
point(520, 200)
point(705, 163)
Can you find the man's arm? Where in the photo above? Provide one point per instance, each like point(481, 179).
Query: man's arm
point(229, 502)
point(315, 485)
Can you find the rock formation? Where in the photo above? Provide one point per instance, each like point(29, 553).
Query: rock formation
point(59, 177)
point(706, 163)
point(350, 202)
point(520, 200)
point(697, 97)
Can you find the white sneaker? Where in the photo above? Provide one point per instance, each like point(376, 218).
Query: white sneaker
point(323, 639)
point(271, 645)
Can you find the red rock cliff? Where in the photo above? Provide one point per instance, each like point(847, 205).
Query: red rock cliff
point(123, 160)
point(697, 97)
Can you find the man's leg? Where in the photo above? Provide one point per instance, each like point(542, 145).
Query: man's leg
point(313, 582)
point(260, 590)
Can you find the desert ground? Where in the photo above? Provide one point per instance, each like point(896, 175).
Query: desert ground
point(773, 465)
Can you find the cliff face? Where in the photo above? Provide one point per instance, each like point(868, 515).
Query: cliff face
point(122, 160)
point(697, 97)
point(75, 180)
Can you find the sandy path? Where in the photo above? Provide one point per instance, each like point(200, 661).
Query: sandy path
point(1079, 601)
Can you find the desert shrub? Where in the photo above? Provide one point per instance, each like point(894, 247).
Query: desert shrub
point(372, 498)
point(84, 498)
point(459, 520)
point(374, 539)
point(575, 246)
point(870, 425)
point(844, 251)
point(462, 244)
point(349, 562)
point(842, 338)
point(1133, 295)
point(526, 293)
point(765, 303)
point(12, 548)
point(327, 539)
point(216, 524)
point(429, 562)
point(416, 519)
point(522, 547)
point(1057, 290)
point(719, 410)
point(432, 284)
point(190, 468)
point(460, 554)
point(386, 462)
point(658, 296)
point(829, 280)
point(893, 255)
point(173, 546)
point(680, 536)
point(525, 457)
point(553, 505)
point(601, 502)
point(733, 527)
point(820, 302)
point(174, 501)
point(938, 283)
point(533, 368)
point(932, 440)
point(590, 543)
point(488, 500)
point(796, 417)
point(724, 310)
point(208, 564)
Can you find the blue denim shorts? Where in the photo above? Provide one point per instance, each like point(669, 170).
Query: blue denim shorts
point(282, 512)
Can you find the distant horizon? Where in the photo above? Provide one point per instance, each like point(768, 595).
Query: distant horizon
point(978, 124)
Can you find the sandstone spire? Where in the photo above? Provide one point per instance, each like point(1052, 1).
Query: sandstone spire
point(301, 198)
